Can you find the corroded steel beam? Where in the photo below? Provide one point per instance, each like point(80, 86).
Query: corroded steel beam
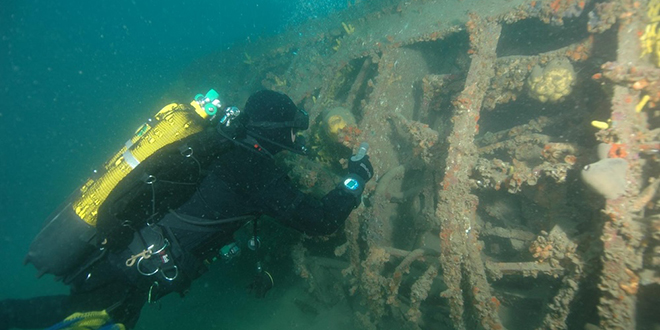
point(622, 255)
point(461, 257)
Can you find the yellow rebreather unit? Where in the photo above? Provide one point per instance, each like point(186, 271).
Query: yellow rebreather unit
point(69, 235)
point(172, 123)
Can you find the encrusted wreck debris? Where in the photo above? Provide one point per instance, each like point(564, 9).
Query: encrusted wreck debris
point(480, 117)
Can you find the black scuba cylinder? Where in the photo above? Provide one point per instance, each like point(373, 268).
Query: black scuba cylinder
point(64, 241)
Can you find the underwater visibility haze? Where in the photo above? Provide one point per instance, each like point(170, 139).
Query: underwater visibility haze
point(514, 146)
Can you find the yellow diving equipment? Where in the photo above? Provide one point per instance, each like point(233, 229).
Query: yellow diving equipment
point(172, 123)
point(67, 235)
point(88, 321)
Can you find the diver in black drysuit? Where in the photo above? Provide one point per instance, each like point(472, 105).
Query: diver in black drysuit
point(243, 181)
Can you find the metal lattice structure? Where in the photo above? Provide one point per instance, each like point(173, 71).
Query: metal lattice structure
point(477, 211)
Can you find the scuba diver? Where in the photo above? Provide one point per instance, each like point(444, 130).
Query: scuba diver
point(151, 223)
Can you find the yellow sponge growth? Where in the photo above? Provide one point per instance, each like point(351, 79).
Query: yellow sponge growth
point(650, 40)
point(335, 120)
point(552, 82)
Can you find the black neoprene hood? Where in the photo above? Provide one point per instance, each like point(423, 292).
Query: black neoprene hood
point(269, 110)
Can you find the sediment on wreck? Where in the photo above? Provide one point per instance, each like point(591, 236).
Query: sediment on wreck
point(476, 210)
point(621, 237)
point(461, 256)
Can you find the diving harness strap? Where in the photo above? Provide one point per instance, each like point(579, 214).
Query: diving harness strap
point(151, 253)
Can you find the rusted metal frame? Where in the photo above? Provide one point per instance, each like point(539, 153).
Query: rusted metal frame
point(616, 307)
point(461, 257)
point(372, 222)
point(324, 98)
point(558, 309)
point(526, 269)
point(585, 45)
point(357, 83)
point(622, 254)
point(514, 66)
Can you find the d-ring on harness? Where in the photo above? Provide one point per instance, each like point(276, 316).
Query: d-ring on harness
point(170, 272)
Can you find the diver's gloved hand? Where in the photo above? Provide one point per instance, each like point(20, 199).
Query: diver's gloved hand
point(361, 167)
point(262, 282)
point(359, 172)
point(88, 321)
